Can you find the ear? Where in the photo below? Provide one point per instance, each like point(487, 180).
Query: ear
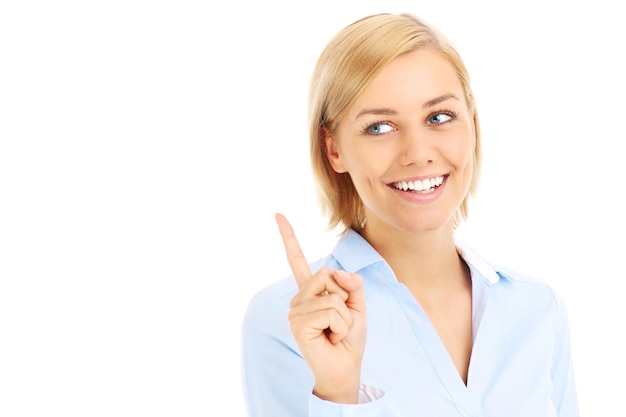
point(332, 153)
point(473, 122)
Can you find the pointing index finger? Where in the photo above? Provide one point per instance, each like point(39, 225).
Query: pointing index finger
point(297, 262)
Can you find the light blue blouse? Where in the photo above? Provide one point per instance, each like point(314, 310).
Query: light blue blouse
point(520, 363)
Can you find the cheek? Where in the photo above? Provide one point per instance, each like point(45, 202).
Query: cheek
point(367, 161)
point(466, 154)
point(465, 161)
point(460, 147)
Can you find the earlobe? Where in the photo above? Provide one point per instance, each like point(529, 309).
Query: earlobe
point(332, 153)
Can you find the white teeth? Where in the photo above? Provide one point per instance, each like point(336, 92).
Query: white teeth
point(419, 185)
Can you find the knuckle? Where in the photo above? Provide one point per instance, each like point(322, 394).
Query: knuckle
point(296, 300)
point(324, 271)
point(333, 316)
point(335, 299)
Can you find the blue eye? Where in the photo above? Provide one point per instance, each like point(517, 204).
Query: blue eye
point(439, 118)
point(378, 129)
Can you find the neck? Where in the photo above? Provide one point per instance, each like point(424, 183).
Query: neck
point(424, 261)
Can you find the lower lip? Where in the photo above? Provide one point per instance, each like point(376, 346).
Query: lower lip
point(415, 197)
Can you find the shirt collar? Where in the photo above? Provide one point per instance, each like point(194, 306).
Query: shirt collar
point(354, 253)
point(479, 264)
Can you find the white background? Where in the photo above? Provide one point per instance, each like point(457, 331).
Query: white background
point(146, 145)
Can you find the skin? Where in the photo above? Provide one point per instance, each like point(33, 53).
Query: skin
point(411, 123)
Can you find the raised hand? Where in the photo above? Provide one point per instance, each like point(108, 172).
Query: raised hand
point(327, 319)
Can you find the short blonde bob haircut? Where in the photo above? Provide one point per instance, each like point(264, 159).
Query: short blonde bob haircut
point(350, 61)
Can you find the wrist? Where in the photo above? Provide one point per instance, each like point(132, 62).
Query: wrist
point(343, 394)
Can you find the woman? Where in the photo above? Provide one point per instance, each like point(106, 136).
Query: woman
point(400, 319)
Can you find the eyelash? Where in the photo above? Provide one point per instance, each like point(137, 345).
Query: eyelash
point(452, 114)
point(449, 113)
point(366, 129)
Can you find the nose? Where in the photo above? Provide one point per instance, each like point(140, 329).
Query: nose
point(416, 148)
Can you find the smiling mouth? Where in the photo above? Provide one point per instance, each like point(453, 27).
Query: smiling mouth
point(424, 186)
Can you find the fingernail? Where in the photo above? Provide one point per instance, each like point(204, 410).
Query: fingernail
point(343, 274)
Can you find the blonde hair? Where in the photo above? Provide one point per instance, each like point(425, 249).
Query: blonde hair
point(350, 61)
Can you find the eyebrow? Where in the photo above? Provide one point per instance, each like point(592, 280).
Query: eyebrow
point(440, 99)
point(385, 111)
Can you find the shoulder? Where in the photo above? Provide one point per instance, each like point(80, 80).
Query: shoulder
point(524, 280)
point(534, 300)
point(532, 289)
point(520, 277)
point(268, 308)
point(281, 291)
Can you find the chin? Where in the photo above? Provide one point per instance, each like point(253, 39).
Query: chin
point(429, 225)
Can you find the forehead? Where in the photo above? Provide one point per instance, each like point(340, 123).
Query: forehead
point(411, 79)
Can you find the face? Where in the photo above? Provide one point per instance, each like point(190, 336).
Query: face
point(407, 143)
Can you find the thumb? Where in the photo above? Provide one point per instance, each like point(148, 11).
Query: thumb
point(353, 284)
